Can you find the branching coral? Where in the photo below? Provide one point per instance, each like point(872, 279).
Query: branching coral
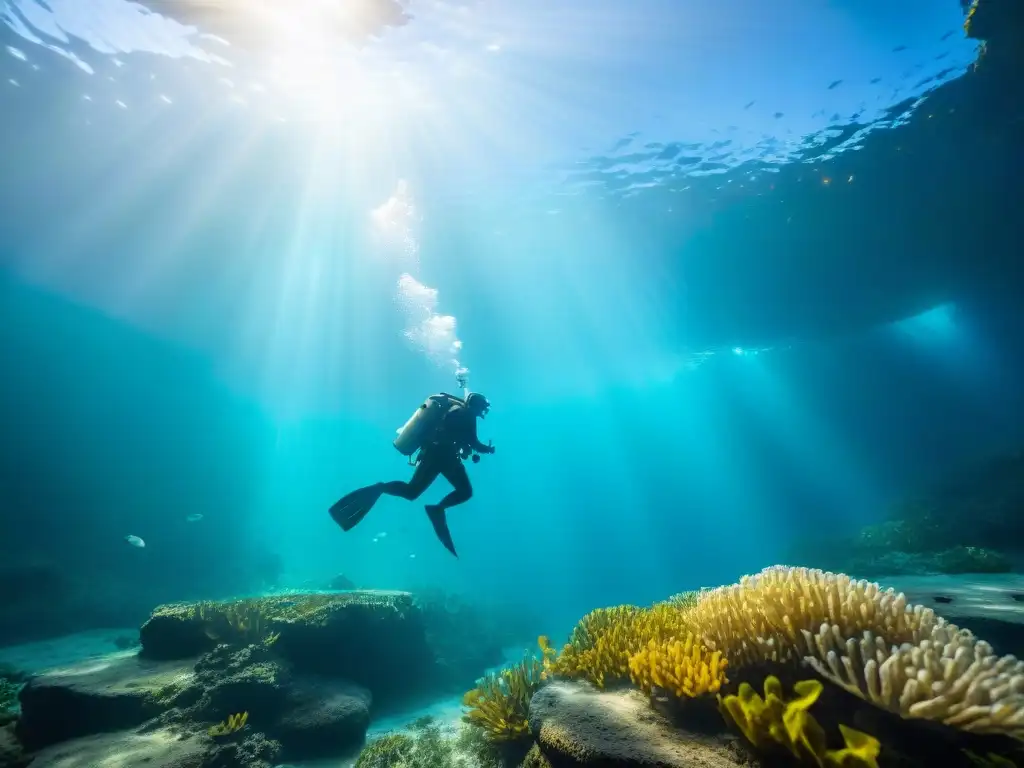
point(684, 667)
point(686, 600)
point(777, 722)
point(605, 641)
point(653, 647)
point(765, 617)
point(428, 747)
point(500, 704)
point(599, 647)
point(869, 640)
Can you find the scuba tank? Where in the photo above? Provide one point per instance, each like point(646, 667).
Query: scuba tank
point(424, 422)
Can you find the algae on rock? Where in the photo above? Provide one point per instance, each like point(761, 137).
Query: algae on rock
point(375, 639)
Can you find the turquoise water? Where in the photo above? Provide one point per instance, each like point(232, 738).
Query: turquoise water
point(696, 257)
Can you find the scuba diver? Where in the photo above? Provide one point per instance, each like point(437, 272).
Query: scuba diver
point(443, 430)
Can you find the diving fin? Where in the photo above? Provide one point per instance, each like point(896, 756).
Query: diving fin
point(349, 510)
point(439, 519)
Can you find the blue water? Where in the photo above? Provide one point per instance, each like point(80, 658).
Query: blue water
point(706, 261)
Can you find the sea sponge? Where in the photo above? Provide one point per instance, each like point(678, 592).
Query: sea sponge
point(870, 641)
point(775, 721)
point(500, 704)
point(684, 667)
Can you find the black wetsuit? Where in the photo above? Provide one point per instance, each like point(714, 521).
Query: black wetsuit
point(441, 457)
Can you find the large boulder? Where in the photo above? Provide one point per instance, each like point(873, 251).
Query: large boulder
point(113, 693)
point(141, 702)
point(373, 638)
point(575, 724)
point(305, 716)
point(322, 718)
point(230, 680)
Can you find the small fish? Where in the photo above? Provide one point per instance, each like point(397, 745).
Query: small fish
point(412, 557)
point(194, 518)
point(382, 534)
point(135, 541)
point(374, 540)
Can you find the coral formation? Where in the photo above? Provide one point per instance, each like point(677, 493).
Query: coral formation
point(903, 661)
point(686, 599)
point(500, 704)
point(776, 722)
point(868, 640)
point(428, 747)
point(242, 622)
point(684, 667)
point(604, 644)
point(374, 639)
point(599, 647)
point(386, 751)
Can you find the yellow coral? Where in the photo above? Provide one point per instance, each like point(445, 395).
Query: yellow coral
point(774, 721)
point(233, 724)
point(500, 704)
point(770, 616)
point(605, 640)
point(684, 667)
point(600, 645)
point(901, 657)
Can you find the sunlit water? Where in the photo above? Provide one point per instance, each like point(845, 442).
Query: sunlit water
point(571, 207)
